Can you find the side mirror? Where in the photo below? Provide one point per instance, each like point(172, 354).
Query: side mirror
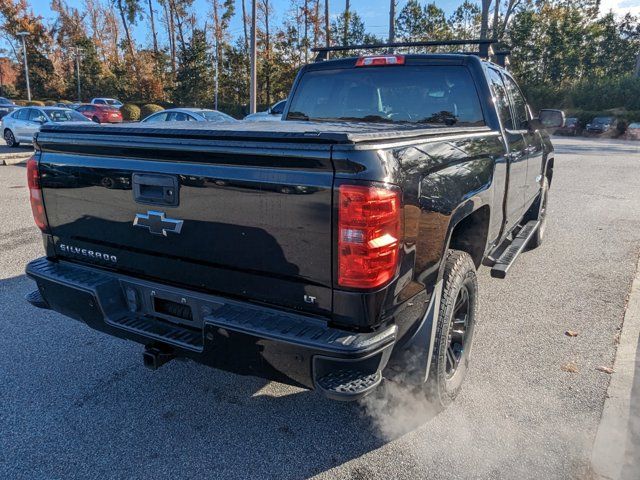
point(277, 111)
point(551, 118)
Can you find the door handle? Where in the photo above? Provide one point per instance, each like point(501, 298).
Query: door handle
point(156, 189)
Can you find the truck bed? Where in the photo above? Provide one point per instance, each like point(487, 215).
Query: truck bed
point(289, 131)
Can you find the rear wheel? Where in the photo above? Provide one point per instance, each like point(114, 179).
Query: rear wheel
point(454, 332)
point(10, 139)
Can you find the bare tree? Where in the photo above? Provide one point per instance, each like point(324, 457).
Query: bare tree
point(126, 14)
point(347, 17)
point(244, 26)
point(484, 18)
point(327, 29)
point(153, 28)
point(392, 21)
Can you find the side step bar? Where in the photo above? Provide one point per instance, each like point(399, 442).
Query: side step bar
point(510, 255)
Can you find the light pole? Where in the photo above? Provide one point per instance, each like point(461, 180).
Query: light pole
point(78, 53)
point(22, 35)
point(252, 82)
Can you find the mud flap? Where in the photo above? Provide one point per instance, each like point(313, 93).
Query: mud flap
point(412, 364)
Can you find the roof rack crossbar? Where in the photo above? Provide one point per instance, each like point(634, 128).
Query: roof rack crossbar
point(483, 43)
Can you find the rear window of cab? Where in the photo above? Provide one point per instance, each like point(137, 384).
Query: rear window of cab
point(417, 94)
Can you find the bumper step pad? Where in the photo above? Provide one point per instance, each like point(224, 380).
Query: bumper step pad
point(159, 330)
point(348, 383)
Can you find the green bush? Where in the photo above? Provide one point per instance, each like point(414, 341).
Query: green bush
point(8, 91)
point(50, 103)
point(148, 109)
point(130, 112)
point(35, 103)
point(66, 102)
point(21, 103)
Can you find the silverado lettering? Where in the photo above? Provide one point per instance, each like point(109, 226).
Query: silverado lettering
point(87, 253)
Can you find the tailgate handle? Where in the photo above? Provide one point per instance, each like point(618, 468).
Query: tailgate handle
point(152, 189)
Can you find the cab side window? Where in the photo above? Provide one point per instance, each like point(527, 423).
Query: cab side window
point(519, 104)
point(501, 99)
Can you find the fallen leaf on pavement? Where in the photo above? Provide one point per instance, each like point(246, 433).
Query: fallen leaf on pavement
point(571, 333)
point(608, 370)
point(570, 367)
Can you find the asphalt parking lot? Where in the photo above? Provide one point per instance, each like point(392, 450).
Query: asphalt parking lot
point(77, 404)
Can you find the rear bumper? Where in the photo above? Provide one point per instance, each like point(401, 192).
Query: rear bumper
point(235, 336)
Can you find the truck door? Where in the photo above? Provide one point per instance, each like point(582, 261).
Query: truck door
point(533, 140)
point(516, 151)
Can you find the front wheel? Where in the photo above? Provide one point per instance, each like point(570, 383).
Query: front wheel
point(10, 139)
point(454, 331)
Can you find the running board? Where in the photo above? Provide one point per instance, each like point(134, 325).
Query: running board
point(510, 255)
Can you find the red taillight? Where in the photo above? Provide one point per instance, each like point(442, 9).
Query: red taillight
point(35, 194)
point(381, 60)
point(369, 231)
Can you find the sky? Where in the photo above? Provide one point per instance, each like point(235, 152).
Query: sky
point(375, 13)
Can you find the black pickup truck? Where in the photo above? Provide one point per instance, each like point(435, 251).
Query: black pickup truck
point(330, 250)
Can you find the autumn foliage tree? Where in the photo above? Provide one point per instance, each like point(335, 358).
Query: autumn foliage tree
point(188, 57)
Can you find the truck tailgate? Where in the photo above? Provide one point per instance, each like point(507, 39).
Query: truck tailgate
point(246, 221)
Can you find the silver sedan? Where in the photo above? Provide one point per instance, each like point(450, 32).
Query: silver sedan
point(21, 125)
point(188, 115)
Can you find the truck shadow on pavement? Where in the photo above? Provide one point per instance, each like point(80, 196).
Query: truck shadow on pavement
point(78, 403)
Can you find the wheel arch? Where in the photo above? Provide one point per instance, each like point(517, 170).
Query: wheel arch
point(469, 232)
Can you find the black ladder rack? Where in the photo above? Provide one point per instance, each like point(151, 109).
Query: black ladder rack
point(483, 43)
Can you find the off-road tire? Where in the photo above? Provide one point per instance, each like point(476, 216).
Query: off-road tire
point(459, 273)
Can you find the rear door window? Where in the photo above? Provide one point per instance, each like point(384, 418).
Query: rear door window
point(501, 99)
point(22, 114)
point(159, 117)
point(518, 103)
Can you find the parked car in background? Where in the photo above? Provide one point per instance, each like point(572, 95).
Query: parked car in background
point(601, 124)
point(189, 115)
point(6, 106)
point(100, 113)
point(633, 131)
point(570, 127)
point(274, 113)
point(112, 102)
point(22, 124)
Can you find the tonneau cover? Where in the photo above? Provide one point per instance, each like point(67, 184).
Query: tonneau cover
point(286, 131)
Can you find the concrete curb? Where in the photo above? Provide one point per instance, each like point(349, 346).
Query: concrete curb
point(14, 158)
point(608, 455)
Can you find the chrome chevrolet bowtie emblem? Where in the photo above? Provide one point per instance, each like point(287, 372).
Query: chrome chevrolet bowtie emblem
point(157, 223)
